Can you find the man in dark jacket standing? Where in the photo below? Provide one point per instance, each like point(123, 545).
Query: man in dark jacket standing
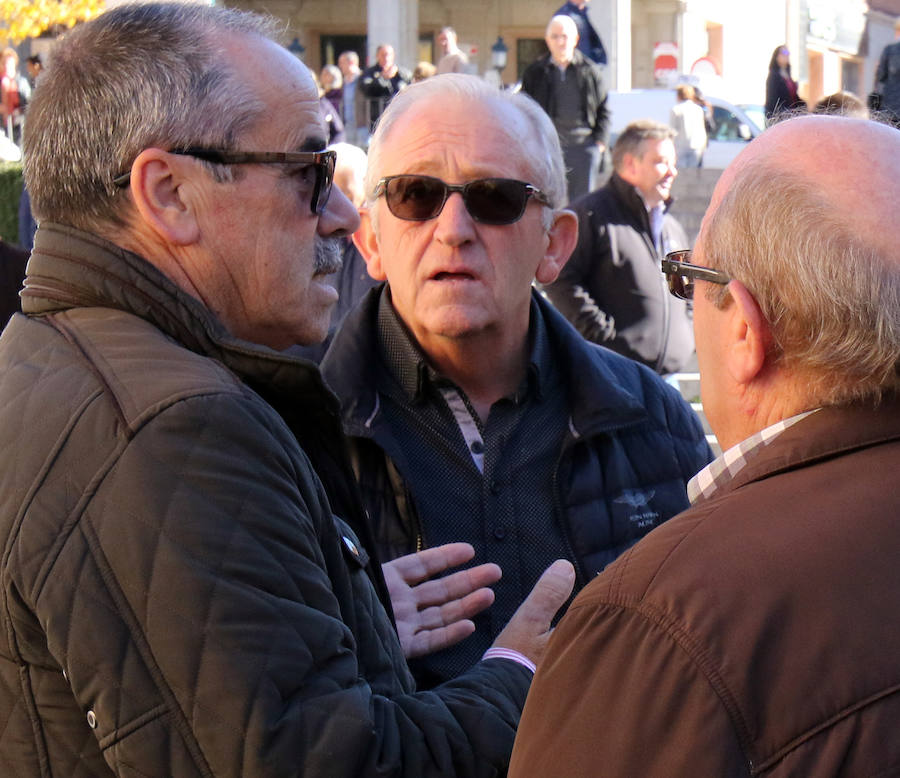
point(178, 596)
point(757, 633)
point(612, 289)
point(379, 83)
point(477, 413)
point(569, 87)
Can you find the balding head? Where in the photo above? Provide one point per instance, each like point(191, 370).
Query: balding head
point(807, 222)
point(561, 38)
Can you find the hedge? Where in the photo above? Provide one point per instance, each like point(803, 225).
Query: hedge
point(10, 192)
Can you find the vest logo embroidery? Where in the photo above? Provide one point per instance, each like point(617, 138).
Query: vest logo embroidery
point(636, 500)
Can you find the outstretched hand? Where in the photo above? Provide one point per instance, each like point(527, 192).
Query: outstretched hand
point(433, 613)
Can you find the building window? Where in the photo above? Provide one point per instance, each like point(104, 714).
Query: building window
point(850, 76)
point(527, 51)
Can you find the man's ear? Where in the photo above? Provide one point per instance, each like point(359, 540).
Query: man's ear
point(561, 241)
point(366, 242)
point(749, 335)
point(160, 192)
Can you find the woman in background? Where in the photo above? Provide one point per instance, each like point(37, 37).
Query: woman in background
point(781, 89)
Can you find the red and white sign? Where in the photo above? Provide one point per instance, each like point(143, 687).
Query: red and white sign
point(665, 59)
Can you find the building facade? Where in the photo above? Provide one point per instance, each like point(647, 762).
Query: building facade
point(725, 44)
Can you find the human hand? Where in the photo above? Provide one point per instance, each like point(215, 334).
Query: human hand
point(529, 628)
point(434, 614)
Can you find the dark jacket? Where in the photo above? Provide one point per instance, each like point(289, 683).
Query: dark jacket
point(612, 288)
point(537, 81)
point(377, 90)
point(780, 96)
point(887, 80)
point(633, 444)
point(177, 596)
point(755, 634)
point(12, 273)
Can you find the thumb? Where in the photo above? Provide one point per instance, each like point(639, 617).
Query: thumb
point(549, 593)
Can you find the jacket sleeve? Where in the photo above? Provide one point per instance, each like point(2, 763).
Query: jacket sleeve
point(573, 294)
point(618, 695)
point(600, 123)
point(881, 72)
point(223, 629)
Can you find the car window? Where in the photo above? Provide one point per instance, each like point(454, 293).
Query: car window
point(727, 126)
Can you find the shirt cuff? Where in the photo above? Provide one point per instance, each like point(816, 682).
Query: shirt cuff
point(508, 653)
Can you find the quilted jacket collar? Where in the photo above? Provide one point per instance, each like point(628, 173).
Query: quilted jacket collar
point(70, 268)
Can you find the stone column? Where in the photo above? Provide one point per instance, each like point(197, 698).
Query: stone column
point(395, 22)
point(612, 20)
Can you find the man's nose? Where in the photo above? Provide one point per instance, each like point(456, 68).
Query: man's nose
point(340, 216)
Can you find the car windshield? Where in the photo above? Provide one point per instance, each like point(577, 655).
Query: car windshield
point(757, 113)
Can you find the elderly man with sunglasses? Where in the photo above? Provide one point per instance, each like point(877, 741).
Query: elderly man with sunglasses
point(476, 412)
point(757, 633)
point(178, 596)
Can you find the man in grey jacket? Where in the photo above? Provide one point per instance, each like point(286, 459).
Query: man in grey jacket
point(178, 597)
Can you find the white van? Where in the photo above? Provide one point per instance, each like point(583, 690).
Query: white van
point(733, 126)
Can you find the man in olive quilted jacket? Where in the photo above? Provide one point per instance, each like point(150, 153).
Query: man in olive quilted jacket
point(178, 598)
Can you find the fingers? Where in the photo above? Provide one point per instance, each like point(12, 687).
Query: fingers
point(457, 585)
point(425, 564)
point(434, 640)
point(456, 610)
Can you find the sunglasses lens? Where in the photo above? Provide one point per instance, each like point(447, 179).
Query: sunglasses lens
point(496, 200)
point(415, 198)
point(324, 180)
point(681, 286)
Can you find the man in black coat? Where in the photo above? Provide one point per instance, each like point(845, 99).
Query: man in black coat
point(569, 87)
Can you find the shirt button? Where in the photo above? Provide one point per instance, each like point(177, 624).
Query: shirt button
point(91, 719)
point(477, 446)
point(499, 533)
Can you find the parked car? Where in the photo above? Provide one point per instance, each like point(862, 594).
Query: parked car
point(732, 127)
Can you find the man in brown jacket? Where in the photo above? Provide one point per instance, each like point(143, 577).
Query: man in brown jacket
point(757, 633)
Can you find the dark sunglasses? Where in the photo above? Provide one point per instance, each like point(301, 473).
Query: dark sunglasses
point(488, 200)
point(681, 274)
point(321, 162)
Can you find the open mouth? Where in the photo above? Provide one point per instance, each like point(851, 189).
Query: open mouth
point(453, 277)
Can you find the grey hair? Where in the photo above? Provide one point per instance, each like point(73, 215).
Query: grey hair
point(630, 140)
point(562, 19)
point(337, 77)
point(831, 298)
point(136, 77)
point(545, 165)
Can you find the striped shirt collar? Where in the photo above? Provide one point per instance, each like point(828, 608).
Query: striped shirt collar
point(722, 469)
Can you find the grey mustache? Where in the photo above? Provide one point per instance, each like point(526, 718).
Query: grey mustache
point(328, 256)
